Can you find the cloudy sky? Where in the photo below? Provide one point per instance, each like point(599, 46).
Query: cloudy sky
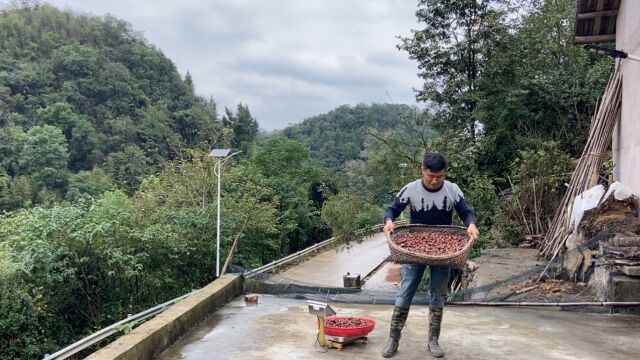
point(286, 59)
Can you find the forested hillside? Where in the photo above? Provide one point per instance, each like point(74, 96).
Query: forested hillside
point(86, 104)
point(339, 135)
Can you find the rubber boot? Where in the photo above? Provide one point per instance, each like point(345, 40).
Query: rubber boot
point(397, 323)
point(435, 321)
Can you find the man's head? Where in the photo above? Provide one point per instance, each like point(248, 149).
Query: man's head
point(433, 168)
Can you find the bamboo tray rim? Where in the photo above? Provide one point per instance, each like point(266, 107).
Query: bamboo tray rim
point(426, 227)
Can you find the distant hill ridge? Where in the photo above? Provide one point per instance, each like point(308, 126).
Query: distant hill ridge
point(97, 76)
point(338, 136)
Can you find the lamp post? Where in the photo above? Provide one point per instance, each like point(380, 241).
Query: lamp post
point(221, 155)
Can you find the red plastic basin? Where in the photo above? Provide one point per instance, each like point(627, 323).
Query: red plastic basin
point(352, 331)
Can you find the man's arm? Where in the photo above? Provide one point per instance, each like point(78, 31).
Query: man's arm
point(393, 211)
point(468, 217)
point(465, 213)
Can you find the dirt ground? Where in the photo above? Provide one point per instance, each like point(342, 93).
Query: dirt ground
point(548, 291)
point(511, 275)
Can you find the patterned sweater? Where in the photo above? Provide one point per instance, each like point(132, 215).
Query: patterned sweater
point(430, 207)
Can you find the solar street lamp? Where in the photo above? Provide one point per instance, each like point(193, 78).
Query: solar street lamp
point(222, 155)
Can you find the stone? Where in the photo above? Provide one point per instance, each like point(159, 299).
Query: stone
point(351, 281)
point(630, 270)
point(624, 288)
point(472, 265)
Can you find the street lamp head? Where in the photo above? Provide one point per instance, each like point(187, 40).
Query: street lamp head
point(606, 51)
point(219, 153)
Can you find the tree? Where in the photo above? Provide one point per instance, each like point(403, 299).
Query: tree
point(538, 87)
point(79, 133)
point(197, 124)
point(128, 167)
point(451, 51)
point(244, 126)
point(155, 135)
point(391, 158)
point(89, 184)
point(6, 103)
point(284, 158)
point(339, 135)
point(16, 193)
point(348, 213)
point(85, 145)
point(45, 156)
point(19, 315)
point(11, 143)
point(188, 80)
point(292, 175)
point(74, 61)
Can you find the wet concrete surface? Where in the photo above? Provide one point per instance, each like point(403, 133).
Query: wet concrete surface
point(278, 328)
point(327, 268)
point(386, 278)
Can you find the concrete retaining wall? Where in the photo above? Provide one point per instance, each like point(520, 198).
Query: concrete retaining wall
point(155, 335)
point(625, 288)
point(261, 287)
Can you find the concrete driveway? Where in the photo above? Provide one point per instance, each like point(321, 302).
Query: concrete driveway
point(327, 268)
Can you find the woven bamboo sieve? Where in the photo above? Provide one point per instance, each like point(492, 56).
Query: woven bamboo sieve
point(456, 260)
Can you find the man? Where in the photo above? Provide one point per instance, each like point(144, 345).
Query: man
point(432, 200)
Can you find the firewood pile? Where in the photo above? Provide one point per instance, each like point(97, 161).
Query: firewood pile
point(623, 249)
point(531, 241)
point(613, 230)
point(608, 235)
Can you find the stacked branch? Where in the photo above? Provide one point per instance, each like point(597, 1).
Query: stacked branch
point(623, 249)
point(587, 171)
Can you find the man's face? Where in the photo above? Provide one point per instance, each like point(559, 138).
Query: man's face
point(432, 180)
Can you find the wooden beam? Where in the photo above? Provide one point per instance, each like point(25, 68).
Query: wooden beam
point(595, 39)
point(596, 14)
point(596, 20)
point(612, 25)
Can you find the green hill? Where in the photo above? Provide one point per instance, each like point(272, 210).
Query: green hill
point(88, 91)
point(338, 136)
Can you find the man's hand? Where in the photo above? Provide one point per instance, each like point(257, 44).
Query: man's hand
point(389, 227)
point(472, 230)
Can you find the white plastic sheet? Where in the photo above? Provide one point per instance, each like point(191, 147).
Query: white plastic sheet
point(594, 197)
point(619, 190)
point(583, 202)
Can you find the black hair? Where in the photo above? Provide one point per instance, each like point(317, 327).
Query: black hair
point(434, 161)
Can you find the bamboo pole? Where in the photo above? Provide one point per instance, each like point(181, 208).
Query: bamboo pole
point(535, 209)
point(524, 218)
point(586, 174)
point(233, 247)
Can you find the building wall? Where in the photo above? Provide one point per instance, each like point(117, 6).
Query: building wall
point(626, 141)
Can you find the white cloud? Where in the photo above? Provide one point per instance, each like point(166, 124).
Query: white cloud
point(286, 59)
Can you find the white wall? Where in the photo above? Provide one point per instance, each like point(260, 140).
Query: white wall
point(626, 142)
